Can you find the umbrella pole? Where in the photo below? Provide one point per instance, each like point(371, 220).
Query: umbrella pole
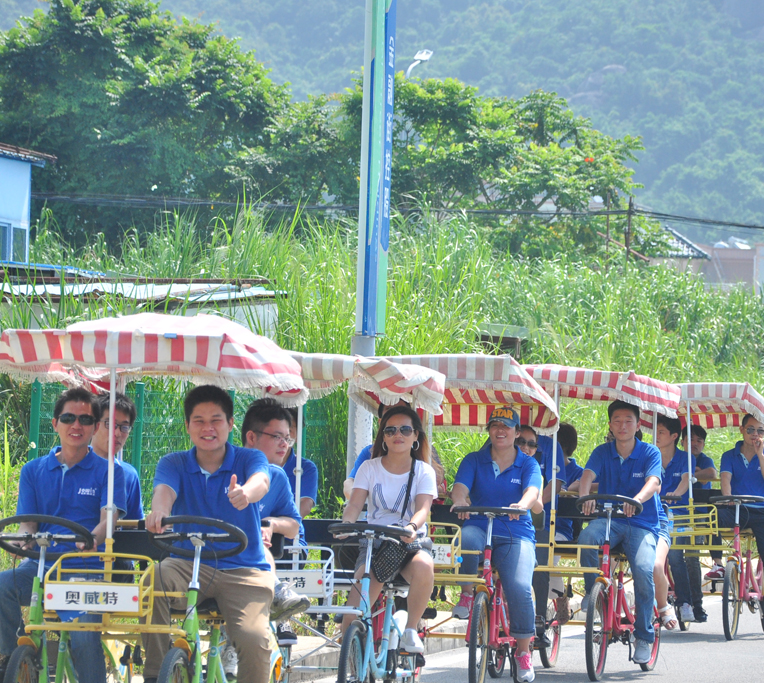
point(110, 486)
point(298, 455)
point(655, 425)
point(691, 477)
point(554, 455)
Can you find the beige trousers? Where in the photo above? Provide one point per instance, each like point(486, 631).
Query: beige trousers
point(244, 598)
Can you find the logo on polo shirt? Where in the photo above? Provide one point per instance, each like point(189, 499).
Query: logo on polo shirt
point(638, 474)
point(87, 492)
point(516, 481)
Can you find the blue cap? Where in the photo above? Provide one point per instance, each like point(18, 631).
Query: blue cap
point(507, 415)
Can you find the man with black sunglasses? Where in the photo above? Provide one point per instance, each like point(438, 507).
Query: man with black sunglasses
point(742, 474)
point(69, 482)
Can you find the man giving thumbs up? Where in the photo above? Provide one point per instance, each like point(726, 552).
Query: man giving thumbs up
point(216, 479)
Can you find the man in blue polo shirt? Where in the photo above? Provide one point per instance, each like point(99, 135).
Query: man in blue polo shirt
point(742, 474)
point(628, 467)
point(215, 479)
point(675, 481)
point(70, 482)
point(309, 478)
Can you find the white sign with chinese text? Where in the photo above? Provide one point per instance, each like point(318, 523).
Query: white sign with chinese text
point(91, 597)
point(308, 582)
point(442, 554)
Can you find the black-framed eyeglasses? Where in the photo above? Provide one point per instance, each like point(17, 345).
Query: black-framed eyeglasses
point(753, 430)
point(288, 440)
point(124, 428)
point(405, 430)
point(519, 441)
point(71, 418)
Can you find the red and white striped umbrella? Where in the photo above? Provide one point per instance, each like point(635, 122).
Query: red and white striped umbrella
point(475, 384)
point(381, 380)
point(646, 393)
point(204, 349)
point(720, 404)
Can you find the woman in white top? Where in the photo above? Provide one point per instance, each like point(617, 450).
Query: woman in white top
point(381, 483)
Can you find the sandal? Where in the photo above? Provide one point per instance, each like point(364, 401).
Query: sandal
point(668, 617)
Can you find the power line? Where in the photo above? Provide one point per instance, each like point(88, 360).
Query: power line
point(153, 202)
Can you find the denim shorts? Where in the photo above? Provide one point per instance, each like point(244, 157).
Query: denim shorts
point(664, 532)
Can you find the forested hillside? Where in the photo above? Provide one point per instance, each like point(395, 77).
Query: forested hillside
point(686, 75)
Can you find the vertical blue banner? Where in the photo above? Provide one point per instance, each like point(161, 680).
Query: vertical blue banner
point(379, 88)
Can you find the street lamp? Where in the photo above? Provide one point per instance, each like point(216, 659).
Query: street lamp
point(419, 57)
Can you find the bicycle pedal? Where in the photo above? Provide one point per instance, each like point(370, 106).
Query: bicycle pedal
point(137, 656)
point(124, 660)
point(430, 613)
point(337, 618)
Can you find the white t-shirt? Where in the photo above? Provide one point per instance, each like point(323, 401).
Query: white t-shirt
point(387, 491)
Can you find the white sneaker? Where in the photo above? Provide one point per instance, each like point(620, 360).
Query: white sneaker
point(525, 672)
point(585, 603)
point(642, 651)
point(687, 613)
point(411, 642)
point(230, 662)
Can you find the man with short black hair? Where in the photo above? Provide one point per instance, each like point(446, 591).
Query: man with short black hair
point(70, 482)
point(218, 480)
point(628, 467)
point(309, 478)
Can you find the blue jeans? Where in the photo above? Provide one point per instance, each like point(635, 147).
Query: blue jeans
point(639, 546)
point(515, 560)
point(679, 573)
point(15, 591)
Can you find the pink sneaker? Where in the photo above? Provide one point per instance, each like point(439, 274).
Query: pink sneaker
point(463, 608)
point(525, 670)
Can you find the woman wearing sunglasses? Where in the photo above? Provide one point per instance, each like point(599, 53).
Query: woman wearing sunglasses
point(400, 455)
point(501, 475)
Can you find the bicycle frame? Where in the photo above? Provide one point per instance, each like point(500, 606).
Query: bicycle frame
point(497, 614)
point(745, 567)
point(377, 664)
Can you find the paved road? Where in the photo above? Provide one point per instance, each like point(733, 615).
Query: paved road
point(700, 654)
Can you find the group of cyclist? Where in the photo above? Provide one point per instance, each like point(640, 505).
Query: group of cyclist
point(398, 480)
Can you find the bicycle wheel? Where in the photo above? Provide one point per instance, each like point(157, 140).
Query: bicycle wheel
point(174, 667)
point(553, 631)
point(478, 643)
point(649, 666)
point(23, 666)
point(596, 636)
point(350, 667)
point(731, 606)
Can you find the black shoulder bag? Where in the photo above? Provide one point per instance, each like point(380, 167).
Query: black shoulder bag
point(391, 556)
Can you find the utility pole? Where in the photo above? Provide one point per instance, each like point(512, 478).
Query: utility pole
point(607, 232)
point(374, 198)
point(628, 227)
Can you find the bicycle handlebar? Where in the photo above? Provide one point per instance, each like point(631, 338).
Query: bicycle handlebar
point(492, 511)
point(232, 534)
point(619, 501)
point(376, 530)
point(737, 500)
point(79, 535)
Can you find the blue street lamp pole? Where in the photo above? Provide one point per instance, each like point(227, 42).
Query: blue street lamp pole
point(374, 197)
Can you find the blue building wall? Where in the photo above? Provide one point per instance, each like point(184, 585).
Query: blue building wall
point(15, 206)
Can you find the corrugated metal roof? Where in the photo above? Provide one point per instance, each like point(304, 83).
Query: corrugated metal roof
point(681, 247)
point(21, 154)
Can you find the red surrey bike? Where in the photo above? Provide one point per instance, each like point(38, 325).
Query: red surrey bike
point(610, 618)
point(488, 639)
point(749, 590)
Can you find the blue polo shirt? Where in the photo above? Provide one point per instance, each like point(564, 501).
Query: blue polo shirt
point(132, 490)
point(206, 495)
point(672, 477)
point(309, 481)
point(545, 449)
point(627, 477)
point(279, 501)
point(488, 487)
point(363, 456)
point(573, 472)
point(79, 493)
point(703, 462)
point(746, 477)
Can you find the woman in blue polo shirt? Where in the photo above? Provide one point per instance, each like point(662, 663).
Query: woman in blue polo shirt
point(501, 475)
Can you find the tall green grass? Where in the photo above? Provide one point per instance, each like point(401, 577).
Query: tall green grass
point(445, 281)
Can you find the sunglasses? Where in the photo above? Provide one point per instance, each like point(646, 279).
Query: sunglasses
point(71, 418)
point(753, 430)
point(406, 430)
point(519, 441)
